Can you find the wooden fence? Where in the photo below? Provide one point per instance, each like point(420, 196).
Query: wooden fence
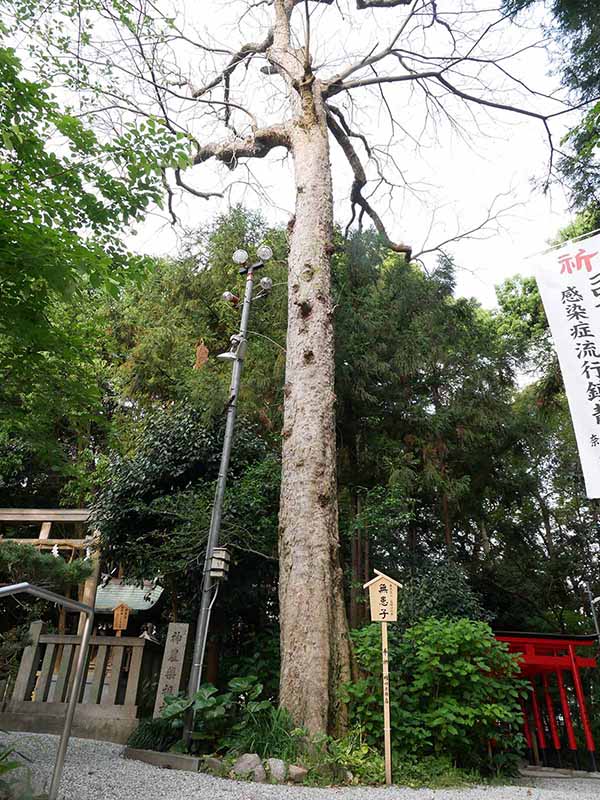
point(6, 685)
point(107, 706)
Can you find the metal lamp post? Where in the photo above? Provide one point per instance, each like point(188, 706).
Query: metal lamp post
point(210, 586)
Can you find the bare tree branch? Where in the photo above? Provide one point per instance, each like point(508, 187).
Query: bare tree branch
point(255, 146)
point(360, 180)
point(490, 217)
point(183, 185)
point(373, 57)
point(170, 197)
point(252, 48)
point(361, 4)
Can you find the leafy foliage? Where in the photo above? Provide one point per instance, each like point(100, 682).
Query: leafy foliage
point(576, 35)
point(454, 692)
point(268, 731)
point(23, 562)
point(64, 204)
point(14, 786)
point(66, 199)
point(346, 760)
point(440, 591)
point(154, 734)
point(163, 490)
point(20, 563)
point(238, 720)
point(433, 772)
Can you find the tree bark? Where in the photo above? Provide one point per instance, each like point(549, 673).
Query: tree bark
point(315, 656)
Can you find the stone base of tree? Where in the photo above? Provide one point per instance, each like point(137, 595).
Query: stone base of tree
point(248, 767)
point(164, 760)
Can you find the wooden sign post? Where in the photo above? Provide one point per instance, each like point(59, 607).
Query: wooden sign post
point(120, 618)
point(383, 599)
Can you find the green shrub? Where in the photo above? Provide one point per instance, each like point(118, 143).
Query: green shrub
point(268, 731)
point(259, 655)
point(454, 691)
point(239, 719)
point(433, 772)
point(154, 734)
point(350, 759)
point(14, 787)
point(212, 715)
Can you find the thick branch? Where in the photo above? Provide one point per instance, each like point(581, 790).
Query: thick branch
point(361, 4)
point(252, 48)
point(255, 146)
point(360, 180)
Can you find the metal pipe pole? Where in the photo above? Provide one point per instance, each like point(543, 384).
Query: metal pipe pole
point(215, 522)
point(594, 615)
point(73, 700)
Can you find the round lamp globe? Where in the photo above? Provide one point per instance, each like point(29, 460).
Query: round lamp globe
point(240, 256)
point(264, 252)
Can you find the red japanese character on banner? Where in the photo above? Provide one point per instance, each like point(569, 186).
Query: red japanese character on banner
point(582, 260)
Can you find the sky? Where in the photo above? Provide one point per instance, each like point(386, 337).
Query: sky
point(454, 179)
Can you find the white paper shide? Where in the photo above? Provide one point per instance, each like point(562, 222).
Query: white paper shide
point(569, 283)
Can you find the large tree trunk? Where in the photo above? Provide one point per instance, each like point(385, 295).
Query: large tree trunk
point(314, 631)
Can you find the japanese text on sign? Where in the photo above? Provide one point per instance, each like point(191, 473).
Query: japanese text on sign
point(569, 284)
point(383, 599)
point(120, 617)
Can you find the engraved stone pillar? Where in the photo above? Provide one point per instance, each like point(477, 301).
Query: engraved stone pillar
point(171, 671)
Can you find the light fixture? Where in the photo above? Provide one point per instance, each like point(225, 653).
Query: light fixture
point(219, 565)
point(228, 356)
point(266, 284)
point(236, 350)
point(240, 256)
point(230, 297)
point(264, 252)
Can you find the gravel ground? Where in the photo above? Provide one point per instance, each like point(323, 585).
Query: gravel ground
point(96, 771)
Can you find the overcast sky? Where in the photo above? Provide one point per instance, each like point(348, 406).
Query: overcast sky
point(457, 181)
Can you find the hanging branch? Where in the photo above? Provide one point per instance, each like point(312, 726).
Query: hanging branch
point(360, 180)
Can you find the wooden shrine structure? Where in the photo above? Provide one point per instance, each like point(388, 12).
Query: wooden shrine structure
point(117, 668)
point(553, 666)
point(45, 517)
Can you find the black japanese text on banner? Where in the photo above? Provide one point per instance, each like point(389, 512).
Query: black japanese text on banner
point(569, 282)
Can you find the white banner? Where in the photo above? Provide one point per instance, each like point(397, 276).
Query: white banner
point(569, 282)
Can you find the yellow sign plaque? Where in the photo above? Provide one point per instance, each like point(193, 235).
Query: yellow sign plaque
point(383, 598)
point(120, 617)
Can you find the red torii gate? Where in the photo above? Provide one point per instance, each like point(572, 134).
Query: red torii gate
point(543, 656)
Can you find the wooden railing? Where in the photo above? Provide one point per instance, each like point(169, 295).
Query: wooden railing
point(110, 688)
point(6, 685)
point(47, 669)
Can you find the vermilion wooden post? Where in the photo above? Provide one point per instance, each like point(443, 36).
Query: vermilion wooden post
point(564, 701)
point(551, 716)
point(589, 739)
point(539, 726)
point(527, 730)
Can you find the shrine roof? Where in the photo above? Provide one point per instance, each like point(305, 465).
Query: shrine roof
point(585, 639)
point(116, 591)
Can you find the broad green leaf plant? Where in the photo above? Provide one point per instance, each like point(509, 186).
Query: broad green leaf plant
point(455, 691)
